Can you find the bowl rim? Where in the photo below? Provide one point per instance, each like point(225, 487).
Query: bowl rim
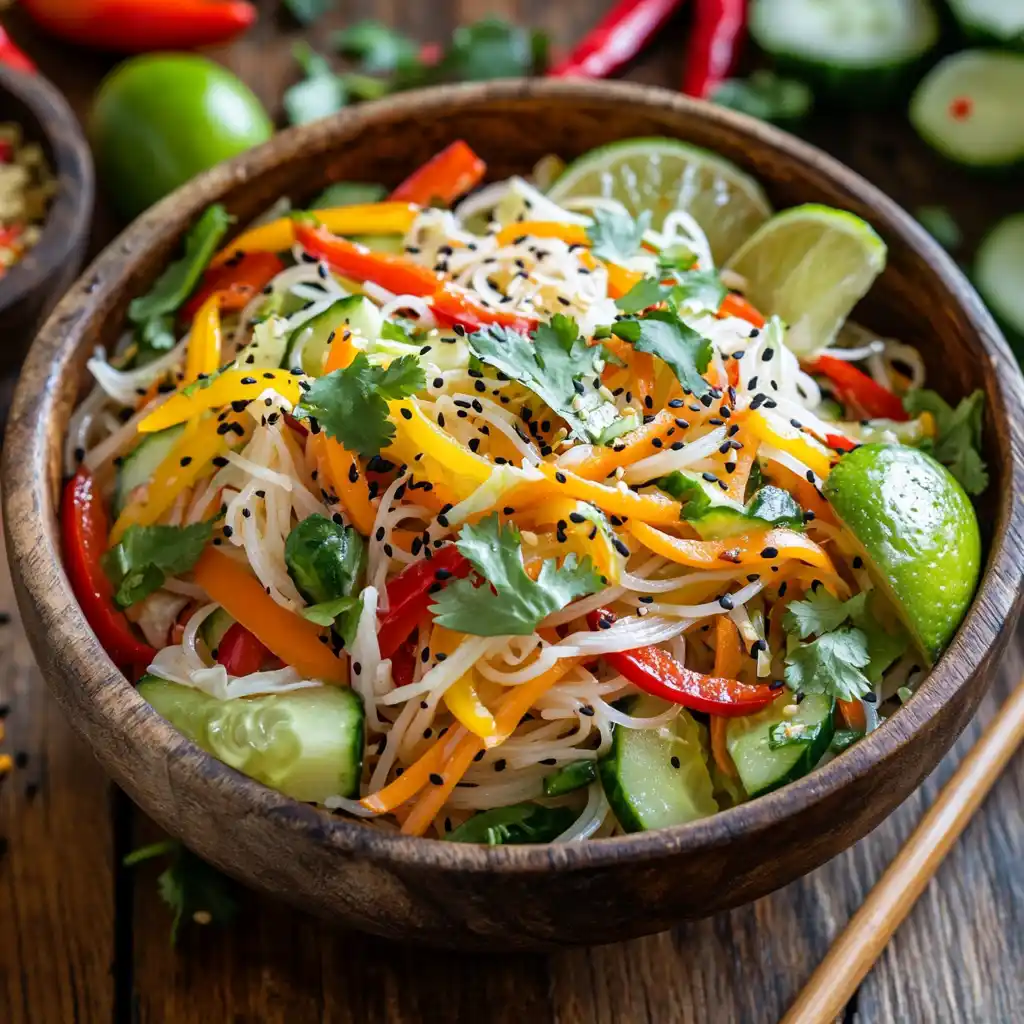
point(993, 608)
point(70, 212)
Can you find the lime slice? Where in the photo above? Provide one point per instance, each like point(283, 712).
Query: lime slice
point(810, 265)
point(662, 175)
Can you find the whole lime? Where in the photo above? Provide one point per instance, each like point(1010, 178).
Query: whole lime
point(159, 120)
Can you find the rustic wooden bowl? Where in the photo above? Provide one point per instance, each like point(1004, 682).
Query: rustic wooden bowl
point(30, 289)
point(526, 896)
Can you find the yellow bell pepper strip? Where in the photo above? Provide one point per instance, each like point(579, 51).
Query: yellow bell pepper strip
point(762, 547)
point(621, 279)
point(794, 441)
point(629, 448)
point(244, 385)
point(461, 698)
point(187, 462)
point(571, 234)
point(295, 640)
point(203, 354)
point(581, 533)
point(360, 219)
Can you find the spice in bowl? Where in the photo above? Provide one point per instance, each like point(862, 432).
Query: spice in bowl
point(26, 187)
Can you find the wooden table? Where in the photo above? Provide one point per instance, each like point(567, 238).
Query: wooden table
point(84, 940)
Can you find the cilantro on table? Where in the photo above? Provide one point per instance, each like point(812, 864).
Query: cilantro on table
point(663, 334)
point(557, 365)
point(147, 555)
point(941, 225)
point(957, 434)
point(189, 886)
point(305, 12)
point(616, 237)
point(351, 405)
point(767, 96)
point(508, 601)
point(320, 93)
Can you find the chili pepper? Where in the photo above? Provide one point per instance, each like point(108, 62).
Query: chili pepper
point(616, 39)
point(237, 281)
point(443, 178)
point(13, 57)
point(135, 26)
point(410, 593)
point(856, 388)
point(715, 41)
point(83, 524)
point(240, 652)
point(656, 672)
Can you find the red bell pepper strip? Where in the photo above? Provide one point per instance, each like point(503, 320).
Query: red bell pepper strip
point(403, 663)
point(411, 592)
point(238, 280)
point(13, 57)
point(443, 178)
point(240, 652)
point(656, 672)
point(136, 26)
point(715, 42)
point(840, 442)
point(616, 39)
point(856, 388)
point(736, 305)
point(453, 307)
point(84, 530)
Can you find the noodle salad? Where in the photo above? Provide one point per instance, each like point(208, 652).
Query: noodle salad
point(516, 514)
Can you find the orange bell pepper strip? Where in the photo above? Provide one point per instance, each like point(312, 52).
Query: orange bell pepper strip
point(295, 640)
point(443, 178)
point(571, 234)
point(627, 449)
point(736, 305)
point(851, 712)
point(236, 280)
point(202, 357)
point(728, 660)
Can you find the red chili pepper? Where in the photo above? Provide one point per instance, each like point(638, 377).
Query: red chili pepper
point(14, 58)
point(84, 529)
point(443, 178)
point(409, 594)
point(616, 39)
point(135, 26)
point(238, 280)
point(857, 389)
point(403, 663)
point(840, 443)
point(656, 672)
point(240, 652)
point(715, 41)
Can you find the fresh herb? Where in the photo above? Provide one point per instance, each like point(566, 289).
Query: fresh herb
point(645, 293)
point(663, 334)
point(154, 337)
point(572, 776)
point(616, 237)
point(508, 602)
point(351, 405)
point(831, 664)
point(348, 193)
point(788, 734)
point(820, 612)
point(325, 559)
point(767, 96)
point(395, 330)
point(958, 434)
point(320, 93)
point(305, 12)
point(342, 613)
point(378, 48)
point(941, 225)
point(147, 555)
point(844, 738)
point(554, 366)
point(189, 886)
point(695, 290)
point(520, 823)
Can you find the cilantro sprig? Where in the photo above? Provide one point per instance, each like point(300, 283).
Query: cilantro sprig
point(958, 434)
point(662, 333)
point(616, 237)
point(508, 602)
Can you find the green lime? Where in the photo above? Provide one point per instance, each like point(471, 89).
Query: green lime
point(810, 265)
point(159, 120)
point(662, 175)
point(919, 532)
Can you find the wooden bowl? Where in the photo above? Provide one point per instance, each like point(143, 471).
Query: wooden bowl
point(31, 288)
point(519, 896)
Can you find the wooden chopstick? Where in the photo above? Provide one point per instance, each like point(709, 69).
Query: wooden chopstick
point(861, 943)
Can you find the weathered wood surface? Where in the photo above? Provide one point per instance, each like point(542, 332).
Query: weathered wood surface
point(84, 941)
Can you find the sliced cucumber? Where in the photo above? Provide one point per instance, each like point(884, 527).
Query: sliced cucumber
point(748, 740)
point(857, 52)
point(307, 744)
point(569, 777)
point(307, 347)
point(214, 626)
point(268, 346)
point(991, 22)
point(655, 778)
point(968, 107)
point(999, 273)
point(139, 464)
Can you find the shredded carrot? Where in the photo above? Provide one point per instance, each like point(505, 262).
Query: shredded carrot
point(851, 712)
point(409, 783)
point(728, 651)
point(736, 305)
point(571, 234)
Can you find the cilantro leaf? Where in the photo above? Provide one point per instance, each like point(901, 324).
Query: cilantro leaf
point(305, 12)
point(648, 291)
point(553, 366)
point(351, 405)
point(698, 290)
point(342, 613)
point(176, 283)
point(616, 237)
point(844, 738)
point(958, 434)
point(820, 612)
point(767, 96)
point(831, 664)
point(664, 335)
point(883, 647)
point(378, 48)
point(319, 94)
point(492, 48)
point(513, 604)
point(146, 555)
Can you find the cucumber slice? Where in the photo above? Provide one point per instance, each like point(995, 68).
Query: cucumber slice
point(762, 769)
point(268, 346)
point(139, 464)
point(308, 744)
point(572, 776)
point(991, 22)
point(998, 273)
point(968, 108)
point(859, 53)
point(307, 347)
point(655, 778)
point(214, 626)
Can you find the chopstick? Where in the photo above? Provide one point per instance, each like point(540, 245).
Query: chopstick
point(861, 943)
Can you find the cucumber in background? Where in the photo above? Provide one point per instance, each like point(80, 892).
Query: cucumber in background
point(991, 22)
point(999, 276)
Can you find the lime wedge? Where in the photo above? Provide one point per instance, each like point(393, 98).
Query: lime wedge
point(810, 265)
point(662, 175)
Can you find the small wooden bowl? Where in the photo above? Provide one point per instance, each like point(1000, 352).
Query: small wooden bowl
point(31, 288)
point(519, 896)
